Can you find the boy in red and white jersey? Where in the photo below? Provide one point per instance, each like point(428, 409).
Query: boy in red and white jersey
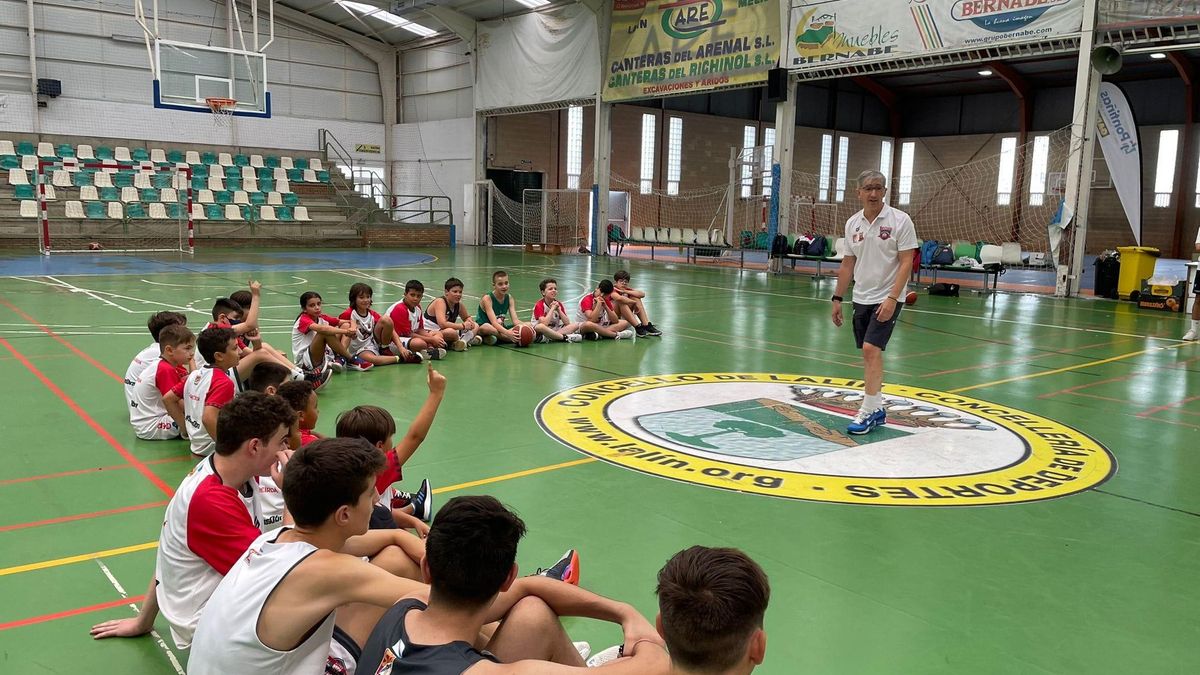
point(373, 333)
point(550, 318)
point(153, 420)
point(598, 315)
point(204, 392)
point(155, 324)
point(413, 332)
point(315, 336)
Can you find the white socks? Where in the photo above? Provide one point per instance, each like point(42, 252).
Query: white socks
point(872, 402)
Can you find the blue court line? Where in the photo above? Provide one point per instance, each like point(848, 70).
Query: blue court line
point(212, 262)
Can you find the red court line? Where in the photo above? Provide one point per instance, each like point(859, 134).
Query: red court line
point(100, 431)
point(78, 472)
point(82, 516)
point(1157, 409)
point(62, 341)
point(134, 600)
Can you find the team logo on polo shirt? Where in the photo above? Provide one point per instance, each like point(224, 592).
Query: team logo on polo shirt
point(784, 435)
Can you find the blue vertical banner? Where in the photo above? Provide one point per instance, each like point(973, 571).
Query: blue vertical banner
point(596, 219)
point(773, 213)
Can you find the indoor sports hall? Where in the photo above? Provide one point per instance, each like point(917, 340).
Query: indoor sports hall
point(1031, 504)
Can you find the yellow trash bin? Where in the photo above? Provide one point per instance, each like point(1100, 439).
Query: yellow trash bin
point(1137, 265)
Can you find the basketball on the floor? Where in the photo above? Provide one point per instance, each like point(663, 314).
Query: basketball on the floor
point(911, 298)
point(525, 335)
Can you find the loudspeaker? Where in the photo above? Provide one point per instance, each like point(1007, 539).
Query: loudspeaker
point(47, 87)
point(1106, 60)
point(777, 85)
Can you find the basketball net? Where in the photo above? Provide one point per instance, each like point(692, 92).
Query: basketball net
point(222, 110)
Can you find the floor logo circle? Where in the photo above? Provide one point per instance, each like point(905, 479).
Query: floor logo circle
point(785, 436)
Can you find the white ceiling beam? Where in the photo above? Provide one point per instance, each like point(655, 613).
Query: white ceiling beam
point(460, 24)
point(372, 49)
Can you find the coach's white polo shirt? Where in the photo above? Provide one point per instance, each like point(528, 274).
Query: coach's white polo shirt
point(876, 247)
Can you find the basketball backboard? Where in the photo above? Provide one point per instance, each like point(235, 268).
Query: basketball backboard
point(188, 74)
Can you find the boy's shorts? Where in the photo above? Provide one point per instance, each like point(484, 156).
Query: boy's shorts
point(367, 346)
point(867, 328)
point(580, 317)
point(162, 429)
point(381, 519)
point(304, 360)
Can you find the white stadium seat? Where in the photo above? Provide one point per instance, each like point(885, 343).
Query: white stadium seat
point(310, 176)
point(274, 199)
point(240, 197)
point(121, 154)
point(46, 150)
point(158, 156)
point(198, 212)
point(88, 193)
point(129, 195)
point(225, 159)
point(84, 152)
point(61, 178)
point(17, 177)
point(256, 161)
point(7, 148)
point(116, 211)
point(192, 157)
point(266, 213)
point(302, 213)
point(158, 211)
point(205, 197)
point(102, 179)
point(168, 196)
point(282, 187)
point(29, 208)
point(284, 162)
point(248, 172)
point(232, 212)
point(315, 164)
point(29, 162)
point(216, 183)
point(75, 209)
point(141, 180)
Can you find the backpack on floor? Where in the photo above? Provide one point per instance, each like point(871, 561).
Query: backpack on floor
point(939, 288)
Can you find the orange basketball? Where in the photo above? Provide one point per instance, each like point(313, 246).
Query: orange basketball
point(911, 298)
point(525, 335)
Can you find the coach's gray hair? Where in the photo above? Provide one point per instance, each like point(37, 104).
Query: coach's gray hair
point(871, 174)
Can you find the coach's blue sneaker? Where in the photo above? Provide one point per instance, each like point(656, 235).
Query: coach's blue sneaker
point(865, 421)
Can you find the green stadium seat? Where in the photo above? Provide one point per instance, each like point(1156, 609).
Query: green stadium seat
point(174, 210)
point(265, 173)
point(175, 157)
point(295, 175)
point(271, 161)
point(135, 210)
point(161, 179)
point(10, 162)
point(241, 160)
point(266, 185)
point(323, 176)
point(233, 172)
point(66, 150)
point(82, 178)
point(199, 182)
point(26, 148)
point(291, 199)
point(24, 192)
point(149, 195)
point(258, 198)
point(214, 212)
point(200, 170)
point(123, 179)
point(247, 212)
point(110, 194)
point(95, 210)
point(223, 197)
point(140, 155)
point(300, 162)
point(284, 213)
point(104, 152)
point(208, 158)
point(233, 183)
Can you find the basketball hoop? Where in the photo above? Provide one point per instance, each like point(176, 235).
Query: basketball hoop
point(222, 110)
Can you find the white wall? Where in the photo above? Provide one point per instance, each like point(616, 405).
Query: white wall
point(315, 81)
point(436, 83)
point(436, 158)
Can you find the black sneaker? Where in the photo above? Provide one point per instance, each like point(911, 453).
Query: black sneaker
point(640, 330)
point(652, 330)
point(592, 336)
point(566, 569)
point(422, 501)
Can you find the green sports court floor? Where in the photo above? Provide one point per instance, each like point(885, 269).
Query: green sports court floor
point(1033, 508)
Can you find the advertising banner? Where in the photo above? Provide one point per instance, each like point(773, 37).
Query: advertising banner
point(661, 48)
point(830, 33)
point(1122, 13)
point(1117, 132)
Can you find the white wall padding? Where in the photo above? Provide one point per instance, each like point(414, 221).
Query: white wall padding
point(536, 58)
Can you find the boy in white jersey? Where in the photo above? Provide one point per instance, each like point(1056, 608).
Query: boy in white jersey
point(414, 333)
point(316, 335)
point(215, 514)
point(153, 420)
point(371, 330)
point(449, 312)
point(155, 324)
point(206, 390)
point(550, 318)
point(276, 609)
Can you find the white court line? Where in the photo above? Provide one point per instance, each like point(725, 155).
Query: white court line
point(315, 269)
point(76, 289)
point(301, 282)
point(153, 633)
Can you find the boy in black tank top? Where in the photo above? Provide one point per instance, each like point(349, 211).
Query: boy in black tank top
point(470, 563)
point(448, 313)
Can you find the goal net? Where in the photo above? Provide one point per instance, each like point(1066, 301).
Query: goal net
point(969, 202)
point(89, 206)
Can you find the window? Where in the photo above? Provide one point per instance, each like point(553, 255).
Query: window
point(1198, 186)
point(885, 159)
point(574, 146)
point(749, 134)
point(1037, 174)
point(907, 150)
point(647, 183)
point(363, 9)
point(1008, 163)
point(674, 154)
point(1164, 173)
point(843, 165)
point(768, 159)
point(826, 165)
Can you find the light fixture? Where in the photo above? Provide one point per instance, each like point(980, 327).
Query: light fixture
point(986, 72)
point(387, 17)
point(1158, 55)
point(534, 4)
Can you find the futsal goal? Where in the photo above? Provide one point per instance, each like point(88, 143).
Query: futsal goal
point(91, 206)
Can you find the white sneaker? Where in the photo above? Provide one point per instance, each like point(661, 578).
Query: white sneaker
point(626, 334)
point(607, 656)
point(1190, 335)
point(584, 649)
point(574, 337)
point(475, 341)
point(459, 346)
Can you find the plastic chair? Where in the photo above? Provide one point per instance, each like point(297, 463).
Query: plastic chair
point(175, 157)
point(24, 192)
point(88, 193)
point(205, 197)
point(273, 162)
point(256, 161)
point(168, 195)
point(75, 210)
point(240, 197)
point(205, 158)
point(66, 150)
point(224, 159)
point(121, 154)
point(193, 157)
point(284, 213)
point(7, 147)
point(273, 198)
point(142, 155)
point(29, 209)
point(116, 210)
point(141, 180)
point(174, 210)
point(82, 178)
point(198, 212)
point(291, 199)
point(136, 211)
point(161, 180)
point(282, 186)
point(302, 214)
point(258, 198)
point(18, 177)
point(149, 195)
point(266, 185)
point(233, 183)
point(158, 211)
point(61, 178)
point(241, 160)
point(214, 212)
point(10, 162)
point(232, 212)
point(95, 210)
point(25, 148)
point(129, 195)
point(299, 162)
point(110, 194)
point(223, 197)
point(84, 152)
point(123, 179)
point(266, 213)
